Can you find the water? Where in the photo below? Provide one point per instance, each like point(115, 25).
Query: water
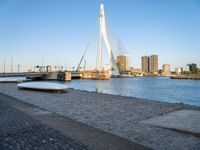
point(152, 88)
point(12, 79)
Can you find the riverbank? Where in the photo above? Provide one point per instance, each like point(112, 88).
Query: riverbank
point(127, 117)
point(187, 77)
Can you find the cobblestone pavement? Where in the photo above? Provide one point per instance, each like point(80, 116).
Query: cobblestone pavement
point(121, 116)
point(19, 131)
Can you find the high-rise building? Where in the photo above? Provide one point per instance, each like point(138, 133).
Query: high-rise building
point(192, 67)
point(150, 64)
point(153, 61)
point(166, 70)
point(178, 70)
point(145, 64)
point(123, 63)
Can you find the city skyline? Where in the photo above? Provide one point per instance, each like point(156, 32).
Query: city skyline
point(45, 31)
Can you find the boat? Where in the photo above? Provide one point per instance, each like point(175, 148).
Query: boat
point(43, 86)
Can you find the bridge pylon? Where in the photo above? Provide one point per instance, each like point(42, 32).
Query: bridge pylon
point(103, 37)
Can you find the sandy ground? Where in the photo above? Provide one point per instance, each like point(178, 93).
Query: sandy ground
point(122, 116)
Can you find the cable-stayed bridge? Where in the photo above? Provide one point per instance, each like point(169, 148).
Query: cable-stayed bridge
point(107, 39)
point(111, 42)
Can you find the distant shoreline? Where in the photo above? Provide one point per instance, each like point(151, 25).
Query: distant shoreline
point(192, 77)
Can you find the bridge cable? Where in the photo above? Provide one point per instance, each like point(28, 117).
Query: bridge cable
point(87, 46)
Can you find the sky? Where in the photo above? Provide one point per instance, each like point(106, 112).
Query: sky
point(56, 32)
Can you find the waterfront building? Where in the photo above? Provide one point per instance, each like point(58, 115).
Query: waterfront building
point(150, 64)
point(123, 63)
point(153, 67)
point(48, 68)
point(192, 67)
point(178, 70)
point(145, 64)
point(166, 69)
point(137, 72)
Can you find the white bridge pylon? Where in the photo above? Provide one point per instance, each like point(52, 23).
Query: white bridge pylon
point(104, 37)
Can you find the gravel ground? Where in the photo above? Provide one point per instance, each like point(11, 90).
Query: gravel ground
point(19, 131)
point(118, 115)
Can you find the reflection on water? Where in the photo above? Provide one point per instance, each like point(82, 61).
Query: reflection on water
point(155, 88)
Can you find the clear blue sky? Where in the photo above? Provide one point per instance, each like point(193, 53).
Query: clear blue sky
point(56, 31)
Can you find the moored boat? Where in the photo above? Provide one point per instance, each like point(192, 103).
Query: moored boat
point(43, 86)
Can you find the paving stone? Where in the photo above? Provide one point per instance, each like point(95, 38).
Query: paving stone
point(121, 116)
point(38, 137)
point(181, 120)
point(20, 131)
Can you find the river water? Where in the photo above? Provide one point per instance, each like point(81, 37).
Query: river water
point(152, 88)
